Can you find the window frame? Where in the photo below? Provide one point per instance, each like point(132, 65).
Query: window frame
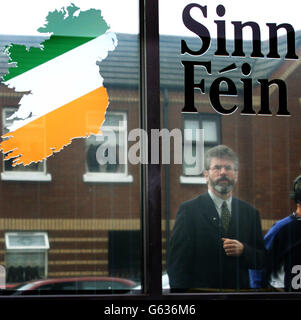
point(185, 179)
point(113, 177)
point(150, 202)
point(28, 249)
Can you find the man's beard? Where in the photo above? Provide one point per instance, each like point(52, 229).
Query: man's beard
point(222, 188)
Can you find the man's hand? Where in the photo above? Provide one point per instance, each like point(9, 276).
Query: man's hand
point(232, 247)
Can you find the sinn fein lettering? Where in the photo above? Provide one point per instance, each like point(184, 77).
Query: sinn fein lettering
point(223, 86)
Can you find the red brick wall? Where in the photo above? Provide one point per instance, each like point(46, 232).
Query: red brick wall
point(269, 149)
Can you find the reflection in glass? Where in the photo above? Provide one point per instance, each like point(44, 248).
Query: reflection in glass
point(8, 164)
point(259, 120)
point(107, 152)
point(210, 131)
point(59, 85)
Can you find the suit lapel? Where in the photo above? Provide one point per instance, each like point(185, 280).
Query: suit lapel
point(209, 210)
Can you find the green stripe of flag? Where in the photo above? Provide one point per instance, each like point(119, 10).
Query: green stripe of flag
point(67, 33)
point(29, 59)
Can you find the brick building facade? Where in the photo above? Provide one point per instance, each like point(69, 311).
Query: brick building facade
point(93, 226)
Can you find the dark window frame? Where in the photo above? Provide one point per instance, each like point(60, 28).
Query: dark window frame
point(150, 181)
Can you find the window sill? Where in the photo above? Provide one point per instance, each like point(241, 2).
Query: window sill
point(25, 176)
point(107, 178)
point(192, 180)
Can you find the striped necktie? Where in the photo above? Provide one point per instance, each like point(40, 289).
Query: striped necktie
point(225, 216)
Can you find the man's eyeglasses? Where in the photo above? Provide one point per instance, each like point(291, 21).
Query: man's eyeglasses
point(218, 168)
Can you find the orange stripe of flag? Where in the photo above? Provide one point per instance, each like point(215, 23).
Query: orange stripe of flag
point(50, 133)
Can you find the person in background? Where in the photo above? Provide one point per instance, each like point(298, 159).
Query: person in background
point(283, 244)
point(216, 237)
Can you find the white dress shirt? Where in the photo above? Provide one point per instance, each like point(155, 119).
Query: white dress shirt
point(218, 202)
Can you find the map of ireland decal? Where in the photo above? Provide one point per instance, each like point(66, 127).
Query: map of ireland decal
point(64, 97)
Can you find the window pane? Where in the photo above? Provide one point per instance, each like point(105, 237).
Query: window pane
point(210, 131)
point(190, 127)
point(193, 137)
point(235, 73)
point(69, 96)
point(197, 142)
point(113, 120)
point(26, 240)
point(107, 151)
point(8, 165)
point(25, 266)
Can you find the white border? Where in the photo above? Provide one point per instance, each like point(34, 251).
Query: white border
point(103, 177)
point(25, 176)
point(192, 180)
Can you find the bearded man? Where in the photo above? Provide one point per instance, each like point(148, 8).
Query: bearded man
point(216, 238)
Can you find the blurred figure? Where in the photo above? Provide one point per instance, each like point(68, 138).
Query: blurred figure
point(216, 237)
point(283, 244)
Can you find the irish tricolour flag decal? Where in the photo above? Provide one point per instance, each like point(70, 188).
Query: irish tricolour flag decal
point(64, 97)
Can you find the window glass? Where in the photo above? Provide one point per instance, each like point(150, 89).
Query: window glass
point(107, 151)
point(8, 167)
point(26, 240)
point(228, 70)
point(207, 137)
point(25, 265)
point(210, 130)
point(69, 99)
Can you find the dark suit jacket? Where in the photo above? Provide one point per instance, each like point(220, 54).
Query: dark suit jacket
point(196, 258)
